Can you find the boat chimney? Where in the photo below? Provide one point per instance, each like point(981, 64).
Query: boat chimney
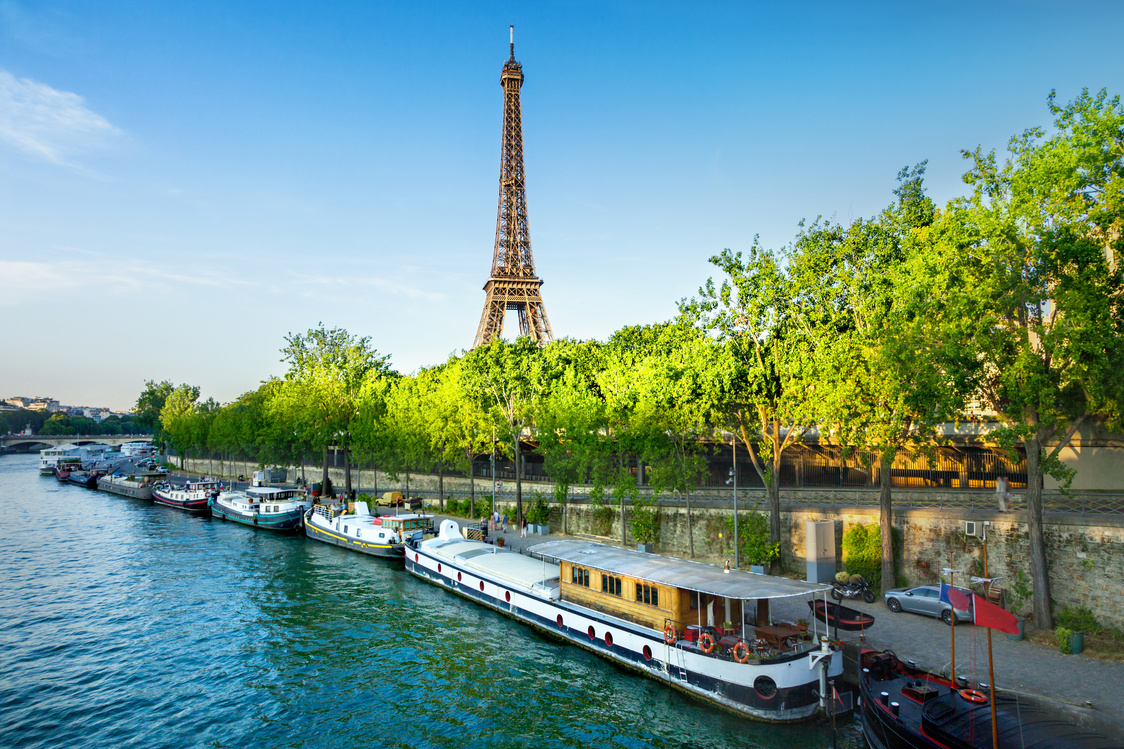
point(884, 698)
point(894, 708)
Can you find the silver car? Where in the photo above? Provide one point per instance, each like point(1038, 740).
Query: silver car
point(924, 599)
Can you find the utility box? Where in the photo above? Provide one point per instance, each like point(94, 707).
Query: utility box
point(259, 478)
point(819, 550)
point(276, 475)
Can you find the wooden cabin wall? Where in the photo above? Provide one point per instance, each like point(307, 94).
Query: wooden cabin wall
point(675, 603)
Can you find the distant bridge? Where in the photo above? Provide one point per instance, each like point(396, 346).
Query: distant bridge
point(35, 442)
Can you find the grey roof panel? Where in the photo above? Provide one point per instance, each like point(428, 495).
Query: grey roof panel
point(675, 573)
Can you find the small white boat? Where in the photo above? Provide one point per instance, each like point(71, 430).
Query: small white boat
point(360, 530)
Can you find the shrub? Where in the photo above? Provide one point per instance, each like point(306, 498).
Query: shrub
point(1077, 619)
point(862, 552)
point(753, 539)
point(645, 521)
point(602, 518)
point(539, 512)
point(1063, 634)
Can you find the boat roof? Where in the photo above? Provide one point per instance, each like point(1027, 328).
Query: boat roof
point(264, 491)
point(675, 573)
point(499, 563)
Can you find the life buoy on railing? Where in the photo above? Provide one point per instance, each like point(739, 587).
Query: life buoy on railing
point(706, 643)
point(670, 635)
point(971, 695)
point(740, 652)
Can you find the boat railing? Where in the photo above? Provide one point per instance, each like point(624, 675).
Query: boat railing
point(757, 650)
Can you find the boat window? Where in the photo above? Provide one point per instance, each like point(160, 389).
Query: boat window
point(648, 594)
point(358, 532)
point(610, 584)
point(345, 529)
point(579, 576)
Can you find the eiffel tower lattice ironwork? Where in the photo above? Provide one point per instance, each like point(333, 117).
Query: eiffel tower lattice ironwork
point(513, 284)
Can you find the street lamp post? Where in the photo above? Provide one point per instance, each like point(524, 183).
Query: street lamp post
point(493, 471)
point(734, 480)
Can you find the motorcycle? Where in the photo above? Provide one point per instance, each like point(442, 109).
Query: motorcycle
point(855, 589)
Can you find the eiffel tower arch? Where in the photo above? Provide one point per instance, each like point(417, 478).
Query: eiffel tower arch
point(513, 284)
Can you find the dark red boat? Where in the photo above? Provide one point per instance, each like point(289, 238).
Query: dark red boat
point(904, 707)
point(835, 615)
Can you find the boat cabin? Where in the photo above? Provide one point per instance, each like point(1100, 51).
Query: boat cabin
point(407, 524)
point(680, 597)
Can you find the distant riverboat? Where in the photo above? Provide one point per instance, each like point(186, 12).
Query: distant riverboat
point(194, 496)
point(137, 486)
point(655, 614)
point(263, 507)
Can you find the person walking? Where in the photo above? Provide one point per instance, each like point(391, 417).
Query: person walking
point(1002, 494)
point(523, 527)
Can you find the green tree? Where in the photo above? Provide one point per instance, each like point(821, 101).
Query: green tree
point(1037, 246)
point(505, 379)
point(892, 378)
point(149, 405)
point(320, 392)
point(773, 355)
point(178, 421)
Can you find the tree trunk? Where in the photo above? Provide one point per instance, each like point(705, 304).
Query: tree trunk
point(690, 533)
point(407, 486)
point(773, 488)
point(347, 471)
point(324, 478)
point(440, 486)
point(471, 490)
point(886, 520)
point(621, 467)
point(1039, 571)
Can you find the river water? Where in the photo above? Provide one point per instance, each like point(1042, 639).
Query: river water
point(123, 623)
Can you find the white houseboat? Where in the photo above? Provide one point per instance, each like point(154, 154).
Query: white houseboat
point(696, 627)
point(49, 457)
point(360, 530)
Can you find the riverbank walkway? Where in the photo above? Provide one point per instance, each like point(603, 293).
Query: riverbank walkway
point(1078, 684)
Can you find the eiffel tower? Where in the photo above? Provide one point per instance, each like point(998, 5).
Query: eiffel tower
point(513, 284)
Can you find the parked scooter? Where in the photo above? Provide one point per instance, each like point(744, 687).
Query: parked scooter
point(855, 589)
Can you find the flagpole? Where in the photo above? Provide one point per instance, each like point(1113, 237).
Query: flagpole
point(990, 665)
point(952, 624)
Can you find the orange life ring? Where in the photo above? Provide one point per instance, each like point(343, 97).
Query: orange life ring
point(706, 643)
point(670, 635)
point(971, 695)
point(740, 652)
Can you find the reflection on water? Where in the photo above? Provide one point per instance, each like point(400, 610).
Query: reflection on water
point(123, 622)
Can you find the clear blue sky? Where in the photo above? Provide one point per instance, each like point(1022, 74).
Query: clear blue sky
point(183, 184)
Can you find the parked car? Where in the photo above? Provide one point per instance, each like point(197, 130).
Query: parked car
point(924, 599)
point(390, 499)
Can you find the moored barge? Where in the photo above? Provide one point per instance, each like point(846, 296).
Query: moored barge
point(904, 707)
point(687, 624)
point(194, 496)
point(263, 507)
point(135, 485)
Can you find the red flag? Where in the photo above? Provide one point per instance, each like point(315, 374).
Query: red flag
point(991, 616)
point(958, 599)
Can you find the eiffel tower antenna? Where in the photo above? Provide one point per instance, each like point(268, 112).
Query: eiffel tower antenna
point(513, 284)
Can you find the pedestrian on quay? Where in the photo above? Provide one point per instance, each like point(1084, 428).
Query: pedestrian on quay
point(523, 527)
point(1002, 494)
point(504, 526)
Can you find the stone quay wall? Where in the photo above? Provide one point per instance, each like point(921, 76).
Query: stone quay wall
point(1085, 552)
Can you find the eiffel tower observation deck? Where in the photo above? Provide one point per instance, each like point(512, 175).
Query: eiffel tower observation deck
point(513, 284)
